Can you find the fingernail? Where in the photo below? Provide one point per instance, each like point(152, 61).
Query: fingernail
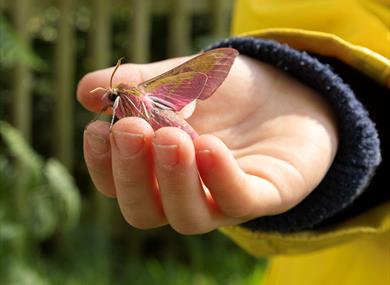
point(204, 159)
point(166, 155)
point(98, 143)
point(128, 144)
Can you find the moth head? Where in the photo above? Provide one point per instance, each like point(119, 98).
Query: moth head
point(110, 94)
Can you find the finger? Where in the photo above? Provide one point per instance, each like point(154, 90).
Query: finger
point(184, 201)
point(97, 155)
point(127, 73)
point(236, 193)
point(132, 166)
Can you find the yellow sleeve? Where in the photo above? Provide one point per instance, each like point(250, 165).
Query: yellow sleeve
point(355, 32)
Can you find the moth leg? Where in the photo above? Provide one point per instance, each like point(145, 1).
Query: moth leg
point(114, 107)
point(145, 111)
point(132, 105)
point(97, 115)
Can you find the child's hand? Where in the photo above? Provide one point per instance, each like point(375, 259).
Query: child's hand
point(268, 141)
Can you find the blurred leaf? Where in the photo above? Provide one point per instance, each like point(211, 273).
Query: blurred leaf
point(18, 273)
point(65, 193)
point(20, 149)
point(9, 232)
point(43, 218)
point(50, 199)
point(35, 207)
point(12, 238)
point(258, 274)
point(13, 50)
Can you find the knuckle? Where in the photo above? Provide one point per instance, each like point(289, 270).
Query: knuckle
point(107, 192)
point(236, 210)
point(191, 227)
point(139, 223)
point(236, 206)
point(138, 215)
point(126, 182)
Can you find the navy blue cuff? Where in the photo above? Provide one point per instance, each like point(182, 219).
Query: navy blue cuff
point(359, 151)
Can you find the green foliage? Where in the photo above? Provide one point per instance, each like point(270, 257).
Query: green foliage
point(18, 147)
point(13, 50)
point(43, 194)
point(17, 273)
point(65, 192)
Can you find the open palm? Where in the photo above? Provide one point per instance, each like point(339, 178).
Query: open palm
point(265, 142)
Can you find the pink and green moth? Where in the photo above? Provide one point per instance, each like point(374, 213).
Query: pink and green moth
point(158, 100)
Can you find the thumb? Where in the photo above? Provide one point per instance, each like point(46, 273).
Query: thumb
point(130, 74)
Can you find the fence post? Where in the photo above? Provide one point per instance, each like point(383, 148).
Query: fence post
point(179, 28)
point(21, 105)
point(64, 91)
point(100, 34)
point(139, 47)
point(220, 11)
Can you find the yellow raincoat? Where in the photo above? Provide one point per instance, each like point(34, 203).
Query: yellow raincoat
point(356, 251)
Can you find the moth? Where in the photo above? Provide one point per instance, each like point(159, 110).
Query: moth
point(158, 100)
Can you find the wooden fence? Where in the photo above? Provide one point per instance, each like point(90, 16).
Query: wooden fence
point(139, 29)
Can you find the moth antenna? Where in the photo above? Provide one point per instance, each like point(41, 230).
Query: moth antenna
point(98, 89)
point(116, 67)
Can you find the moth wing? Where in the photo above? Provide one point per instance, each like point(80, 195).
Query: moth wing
point(175, 91)
point(215, 64)
point(168, 118)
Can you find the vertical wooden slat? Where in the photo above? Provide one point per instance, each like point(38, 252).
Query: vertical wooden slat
point(179, 28)
point(220, 12)
point(21, 108)
point(139, 48)
point(64, 91)
point(100, 34)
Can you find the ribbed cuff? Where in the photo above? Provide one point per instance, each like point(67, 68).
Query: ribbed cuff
point(359, 151)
